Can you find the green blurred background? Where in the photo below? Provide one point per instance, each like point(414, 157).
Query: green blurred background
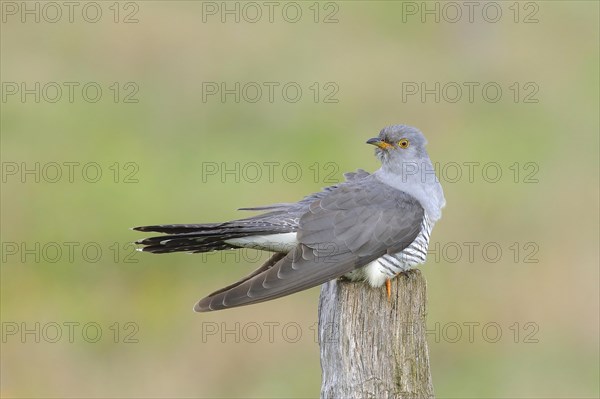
point(546, 311)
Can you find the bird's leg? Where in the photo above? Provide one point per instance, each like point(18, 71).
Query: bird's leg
point(388, 288)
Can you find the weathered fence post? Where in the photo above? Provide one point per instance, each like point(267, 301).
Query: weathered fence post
point(372, 347)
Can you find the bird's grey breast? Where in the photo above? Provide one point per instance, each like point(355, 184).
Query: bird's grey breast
point(421, 183)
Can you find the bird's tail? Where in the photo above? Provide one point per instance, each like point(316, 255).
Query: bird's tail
point(196, 238)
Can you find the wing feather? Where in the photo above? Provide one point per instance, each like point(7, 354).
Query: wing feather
point(347, 228)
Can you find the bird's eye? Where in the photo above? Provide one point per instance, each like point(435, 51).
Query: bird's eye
point(403, 143)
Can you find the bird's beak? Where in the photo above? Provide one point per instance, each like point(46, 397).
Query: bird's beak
point(379, 143)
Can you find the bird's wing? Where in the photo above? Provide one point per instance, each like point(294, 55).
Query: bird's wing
point(346, 229)
point(307, 200)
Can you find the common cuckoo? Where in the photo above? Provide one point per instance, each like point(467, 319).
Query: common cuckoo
point(370, 227)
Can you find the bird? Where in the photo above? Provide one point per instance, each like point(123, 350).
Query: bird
point(370, 227)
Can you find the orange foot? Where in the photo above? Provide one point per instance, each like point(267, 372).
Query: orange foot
point(388, 288)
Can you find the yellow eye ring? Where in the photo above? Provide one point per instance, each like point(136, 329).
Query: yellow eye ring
point(404, 143)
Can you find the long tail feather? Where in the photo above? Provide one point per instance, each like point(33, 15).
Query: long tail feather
point(197, 238)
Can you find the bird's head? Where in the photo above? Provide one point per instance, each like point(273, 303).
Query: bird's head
point(398, 144)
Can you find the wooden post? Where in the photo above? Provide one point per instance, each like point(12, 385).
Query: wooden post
point(372, 347)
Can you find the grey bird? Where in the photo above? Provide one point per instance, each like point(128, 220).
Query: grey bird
point(370, 227)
